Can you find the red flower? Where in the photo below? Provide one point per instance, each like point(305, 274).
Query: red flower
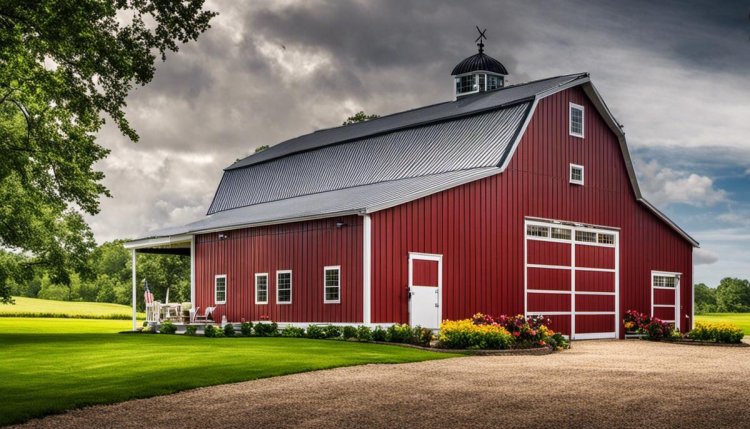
point(516, 334)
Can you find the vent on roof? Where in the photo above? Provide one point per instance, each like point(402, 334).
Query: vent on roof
point(479, 72)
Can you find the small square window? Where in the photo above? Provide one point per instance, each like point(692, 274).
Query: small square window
point(576, 120)
point(576, 174)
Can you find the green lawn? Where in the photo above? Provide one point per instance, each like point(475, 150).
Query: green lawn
point(742, 320)
point(33, 307)
point(50, 365)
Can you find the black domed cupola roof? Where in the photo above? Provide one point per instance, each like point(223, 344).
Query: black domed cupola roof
point(477, 62)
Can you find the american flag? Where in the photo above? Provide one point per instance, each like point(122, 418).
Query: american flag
point(148, 296)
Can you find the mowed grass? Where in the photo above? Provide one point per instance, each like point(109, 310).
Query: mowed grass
point(51, 365)
point(742, 320)
point(33, 307)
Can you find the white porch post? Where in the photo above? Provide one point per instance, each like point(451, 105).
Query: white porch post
point(135, 283)
point(192, 271)
point(366, 269)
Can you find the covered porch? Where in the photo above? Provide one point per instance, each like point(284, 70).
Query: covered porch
point(157, 310)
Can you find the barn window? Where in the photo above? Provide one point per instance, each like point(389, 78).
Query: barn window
point(494, 82)
point(660, 280)
point(576, 174)
point(606, 238)
point(561, 233)
point(284, 287)
point(261, 288)
point(537, 231)
point(332, 285)
point(466, 84)
point(586, 236)
point(576, 120)
point(220, 289)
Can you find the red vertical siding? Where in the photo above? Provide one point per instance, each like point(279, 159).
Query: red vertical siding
point(478, 227)
point(305, 248)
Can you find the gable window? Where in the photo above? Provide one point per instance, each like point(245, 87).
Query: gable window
point(220, 289)
point(284, 287)
point(261, 288)
point(576, 120)
point(332, 285)
point(576, 174)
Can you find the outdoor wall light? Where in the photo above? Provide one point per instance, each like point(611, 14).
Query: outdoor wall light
point(340, 224)
point(223, 236)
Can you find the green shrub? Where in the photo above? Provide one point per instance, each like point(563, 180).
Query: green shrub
point(349, 332)
point(315, 332)
point(293, 332)
point(229, 330)
point(332, 331)
point(266, 329)
point(246, 328)
point(421, 336)
point(364, 333)
point(716, 332)
point(212, 331)
point(558, 342)
point(464, 334)
point(399, 333)
point(379, 334)
point(167, 327)
point(190, 330)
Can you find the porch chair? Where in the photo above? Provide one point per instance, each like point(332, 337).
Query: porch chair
point(204, 318)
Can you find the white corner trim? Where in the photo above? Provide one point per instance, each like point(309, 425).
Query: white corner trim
point(366, 269)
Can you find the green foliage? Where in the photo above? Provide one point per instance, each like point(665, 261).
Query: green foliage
point(705, 299)
point(315, 332)
point(167, 327)
point(293, 332)
point(349, 332)
point(421, 336)
point(399, 333)
point(733, 296)
point(246, 328)
point(332, 331)
point(212, 331)
point(716, 332)
point(261, 148)
point(464, 334)
point(359, 117)
point(364, 333)
point(65, 66)
point(266, 329)
point(379, 334)
point(191, 330)
point(229, 330)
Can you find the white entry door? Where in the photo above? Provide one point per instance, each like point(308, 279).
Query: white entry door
point(425, 290)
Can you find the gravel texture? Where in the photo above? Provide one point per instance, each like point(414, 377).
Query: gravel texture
point(634, 384)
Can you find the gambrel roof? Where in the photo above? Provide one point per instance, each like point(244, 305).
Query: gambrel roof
point(384, 162)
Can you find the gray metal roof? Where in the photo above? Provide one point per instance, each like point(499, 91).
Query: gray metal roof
point(358, 199)
point(459, 144)
point(465, 105)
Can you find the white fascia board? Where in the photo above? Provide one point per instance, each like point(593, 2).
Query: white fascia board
point(158, 241)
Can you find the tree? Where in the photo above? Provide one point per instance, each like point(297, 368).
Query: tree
point(359, 117)
point(733, 295)
point(64, 66)
point(705, 298)
point(261, 148)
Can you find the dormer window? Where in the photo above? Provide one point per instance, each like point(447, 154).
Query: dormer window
point(576, 120)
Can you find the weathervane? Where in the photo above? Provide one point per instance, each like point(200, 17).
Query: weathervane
point(480, 38)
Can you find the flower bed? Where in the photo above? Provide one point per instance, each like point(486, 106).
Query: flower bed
point(499, 333)
point(706, 333)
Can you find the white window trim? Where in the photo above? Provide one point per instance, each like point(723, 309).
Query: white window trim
point(570, 175)
point(476, 83)
point(257, 275)
point(226, 288)
point(325, 270)
point(291, 288)
point(572, 106)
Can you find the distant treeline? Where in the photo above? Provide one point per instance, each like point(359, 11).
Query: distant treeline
point(107, 277)
point(730, 296)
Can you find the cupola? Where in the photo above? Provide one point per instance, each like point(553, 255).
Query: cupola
point(478, 73)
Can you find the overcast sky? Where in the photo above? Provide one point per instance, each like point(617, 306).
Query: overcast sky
point(676, 74)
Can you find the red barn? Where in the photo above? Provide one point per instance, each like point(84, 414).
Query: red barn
point(510, 199)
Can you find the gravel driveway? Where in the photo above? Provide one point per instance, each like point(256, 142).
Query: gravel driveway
point(633, 384)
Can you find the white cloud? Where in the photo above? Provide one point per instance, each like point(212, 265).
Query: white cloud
point(664, 186)
point(704, 257)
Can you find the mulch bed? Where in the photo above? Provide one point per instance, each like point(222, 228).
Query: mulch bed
point(537, 351)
